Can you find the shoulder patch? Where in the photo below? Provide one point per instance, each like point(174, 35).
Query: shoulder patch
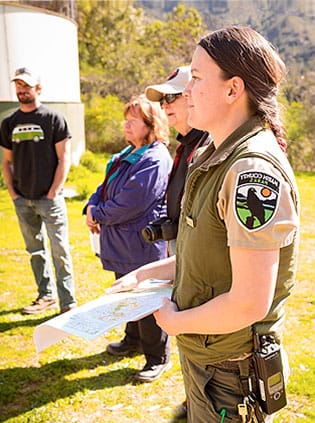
point(256, 198)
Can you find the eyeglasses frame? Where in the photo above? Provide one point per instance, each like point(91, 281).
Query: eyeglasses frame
point(169, 98)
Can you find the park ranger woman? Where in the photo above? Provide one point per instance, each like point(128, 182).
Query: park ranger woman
point(238, 233)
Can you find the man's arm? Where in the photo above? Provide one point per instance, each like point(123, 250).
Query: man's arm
point(7, 167)
point(63, 150)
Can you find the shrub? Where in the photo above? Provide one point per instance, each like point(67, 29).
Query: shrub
point(88, 160)
point(88, 174)
point(299, 122)
point(2, 181)
point(103, 122)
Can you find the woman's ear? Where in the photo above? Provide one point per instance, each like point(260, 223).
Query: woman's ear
point(236, 87)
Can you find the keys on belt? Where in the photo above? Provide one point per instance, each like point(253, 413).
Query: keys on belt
point(247, 411)
point(242, 411)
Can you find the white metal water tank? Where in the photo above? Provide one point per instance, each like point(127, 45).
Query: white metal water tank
point(47, 43)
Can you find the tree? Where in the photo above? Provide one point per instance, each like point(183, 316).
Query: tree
point(103, 118)
point(121, 51)
point(300, 129)
point(299, 115)
point(171, 43)
point(111, 55)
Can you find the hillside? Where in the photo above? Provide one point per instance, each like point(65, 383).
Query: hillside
point(288, 24)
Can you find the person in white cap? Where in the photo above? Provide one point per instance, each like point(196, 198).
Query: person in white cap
point(169, 94)
point(36, 161)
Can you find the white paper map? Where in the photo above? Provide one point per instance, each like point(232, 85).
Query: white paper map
point(96, 317)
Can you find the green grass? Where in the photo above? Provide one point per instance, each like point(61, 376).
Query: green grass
point(76, 380)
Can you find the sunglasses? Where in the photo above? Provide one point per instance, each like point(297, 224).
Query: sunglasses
point(169, 98)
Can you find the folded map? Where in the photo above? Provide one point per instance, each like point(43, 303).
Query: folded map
point(97, 317)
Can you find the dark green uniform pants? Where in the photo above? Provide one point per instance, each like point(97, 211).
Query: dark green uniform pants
point(211, 389)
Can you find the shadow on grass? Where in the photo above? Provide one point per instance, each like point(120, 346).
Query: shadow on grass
point(5, 326)
point(10, 311)
point(23, 389)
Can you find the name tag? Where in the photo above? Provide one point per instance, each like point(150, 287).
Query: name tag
point(190, 221)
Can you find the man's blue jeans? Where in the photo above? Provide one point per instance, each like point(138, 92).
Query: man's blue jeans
point(34, 217)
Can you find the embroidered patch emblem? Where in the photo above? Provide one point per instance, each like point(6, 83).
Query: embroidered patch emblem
point(256, 199)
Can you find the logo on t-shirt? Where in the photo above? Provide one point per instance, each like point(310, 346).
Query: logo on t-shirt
point(27, 132)
point(256, 198)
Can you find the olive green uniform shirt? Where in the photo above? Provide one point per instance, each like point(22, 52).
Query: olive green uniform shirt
point(242, 194)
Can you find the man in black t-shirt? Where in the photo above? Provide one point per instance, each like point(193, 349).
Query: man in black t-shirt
point(36, 161)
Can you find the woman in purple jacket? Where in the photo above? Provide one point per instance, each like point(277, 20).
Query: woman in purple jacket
point(133, 194)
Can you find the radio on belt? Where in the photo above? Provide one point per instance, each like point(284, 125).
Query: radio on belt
point(269, 373)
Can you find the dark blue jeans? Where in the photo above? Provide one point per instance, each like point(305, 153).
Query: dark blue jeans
point(36, 219)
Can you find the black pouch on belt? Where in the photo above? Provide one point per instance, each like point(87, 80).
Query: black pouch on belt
point(269, 373)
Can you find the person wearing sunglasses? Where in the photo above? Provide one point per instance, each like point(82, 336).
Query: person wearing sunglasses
point(169, 95)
